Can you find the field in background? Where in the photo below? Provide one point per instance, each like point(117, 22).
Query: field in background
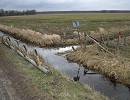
point(59, 23)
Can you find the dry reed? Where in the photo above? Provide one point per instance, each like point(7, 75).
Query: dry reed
point(114, 67)
point(32, 36)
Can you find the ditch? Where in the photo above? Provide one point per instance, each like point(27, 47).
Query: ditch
point(77, 72)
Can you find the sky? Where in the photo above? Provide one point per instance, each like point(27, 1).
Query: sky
point(65, 5)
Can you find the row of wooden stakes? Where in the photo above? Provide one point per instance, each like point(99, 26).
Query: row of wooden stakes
point(24, 53)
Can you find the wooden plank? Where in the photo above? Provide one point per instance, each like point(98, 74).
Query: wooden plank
point(90, 37)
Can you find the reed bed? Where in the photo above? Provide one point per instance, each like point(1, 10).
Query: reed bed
point(32, 36)
point(117, 68)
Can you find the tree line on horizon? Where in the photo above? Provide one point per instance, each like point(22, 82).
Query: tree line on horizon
point(91, 11)
point(16, 12)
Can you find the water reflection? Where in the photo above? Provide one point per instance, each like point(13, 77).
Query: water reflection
point(85, 71)
point(81, 71)
point(77, 77)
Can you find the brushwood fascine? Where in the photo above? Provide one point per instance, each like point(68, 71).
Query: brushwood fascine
point(32, 36)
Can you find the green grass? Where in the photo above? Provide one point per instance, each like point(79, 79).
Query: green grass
point(89, 22)
point(54, 87)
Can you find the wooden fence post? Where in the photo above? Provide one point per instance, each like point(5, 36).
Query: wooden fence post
point(119, 40)
point(108, 38)
point(85, 40)
point(124, 38)
point(8, 40)
point(78, 34)
point(37, 59)
point(118, 43)
point(90, 37)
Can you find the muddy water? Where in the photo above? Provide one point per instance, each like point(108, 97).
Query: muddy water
point(114, 91)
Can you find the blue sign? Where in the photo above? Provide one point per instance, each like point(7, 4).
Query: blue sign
point(76, 24)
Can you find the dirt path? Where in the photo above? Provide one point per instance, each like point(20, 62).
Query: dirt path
point(3, 92)
point(12, 85)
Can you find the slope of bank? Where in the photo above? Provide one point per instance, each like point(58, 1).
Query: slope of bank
point(31, 36)
point(31, 84)
point(116, 68)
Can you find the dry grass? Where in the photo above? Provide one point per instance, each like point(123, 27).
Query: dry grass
point(113, 32)
point(114, 67)
point(103, 31)
point(32, 36)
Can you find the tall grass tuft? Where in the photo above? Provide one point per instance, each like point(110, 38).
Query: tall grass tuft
point(32, 36)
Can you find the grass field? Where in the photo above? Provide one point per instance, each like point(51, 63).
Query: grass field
point(63, 22)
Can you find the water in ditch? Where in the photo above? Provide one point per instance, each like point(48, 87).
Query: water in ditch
point(114, 91)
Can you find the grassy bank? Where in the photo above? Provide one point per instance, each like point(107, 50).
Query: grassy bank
point(116, 68)
point(51, 40)
point(37, 38)
point(32, 36)
point(48, 87)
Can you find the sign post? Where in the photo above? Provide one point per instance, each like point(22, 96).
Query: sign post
point(76, 25)
point(119, 40)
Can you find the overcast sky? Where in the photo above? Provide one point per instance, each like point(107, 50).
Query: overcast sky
point(68, 5)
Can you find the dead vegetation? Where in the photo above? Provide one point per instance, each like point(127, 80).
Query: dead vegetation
point(32, 36)
point(117, 68)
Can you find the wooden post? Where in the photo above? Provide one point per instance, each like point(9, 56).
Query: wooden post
point(37, 60)
point(78, 34)
point(64, 34)
point(118, 43)
point(99, 45)
point(102, 42)
point(17, 46)
point(108, 38)
point(85, 40)
point(124, 38)
point(73, 48)
point(25, 53)
point(3, 39)
point(9, 42)
point(119, 40)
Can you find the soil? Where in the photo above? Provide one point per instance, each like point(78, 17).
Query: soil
point(12, 85)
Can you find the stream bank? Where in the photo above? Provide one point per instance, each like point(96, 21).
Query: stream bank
point(37, 85)
point(79, 73)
